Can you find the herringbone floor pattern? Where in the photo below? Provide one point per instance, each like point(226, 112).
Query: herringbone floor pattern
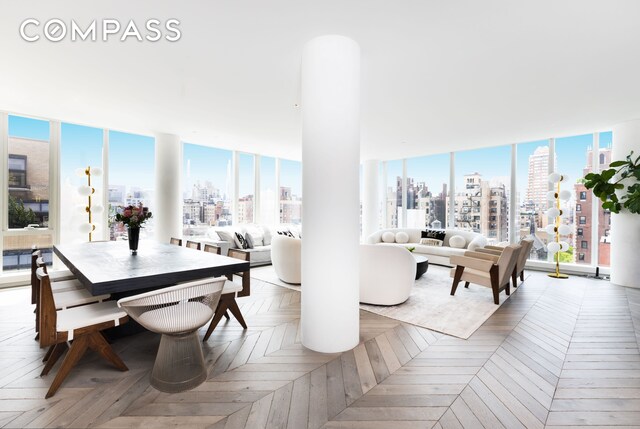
point(556, 354)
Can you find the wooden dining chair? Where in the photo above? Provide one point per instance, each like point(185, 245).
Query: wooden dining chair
point(67, 293)
point(60, 280)
point(211, 248)
point(79, 326)
point(230, 291)
point(193, 245)
point(176, 241)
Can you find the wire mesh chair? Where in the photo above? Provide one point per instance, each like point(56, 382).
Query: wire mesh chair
point(177, 312)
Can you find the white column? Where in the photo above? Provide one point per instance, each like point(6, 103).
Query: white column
point(257, 194)
point(625, 226)
point(370, 202)
point(168, 199)
point(514, 227)
point(276, 218)
point(385, 203)
point(330, 176)
point(595, 205)
point(104, 218)
point(404, 190)
point(452, 191)
point(235, 168)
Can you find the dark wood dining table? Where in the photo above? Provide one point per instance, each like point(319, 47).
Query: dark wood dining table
point(109, 267)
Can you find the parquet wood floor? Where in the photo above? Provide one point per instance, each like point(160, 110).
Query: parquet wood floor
point(557, 354)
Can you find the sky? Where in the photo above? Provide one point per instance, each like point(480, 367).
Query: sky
point(131, 160)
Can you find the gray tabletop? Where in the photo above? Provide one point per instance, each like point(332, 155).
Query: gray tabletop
point(109, 267)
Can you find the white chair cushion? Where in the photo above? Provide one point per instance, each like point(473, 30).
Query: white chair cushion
point(388, 237)
point(183, 317)
point(402, 237)
point(55, 276)
point(75, 297)
point(65, 285)
point(457, 242)
point(88, 315)
point(231, 287)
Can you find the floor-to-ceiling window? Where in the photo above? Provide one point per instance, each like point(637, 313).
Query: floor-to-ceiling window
point(482, 192)
point(131, 177)
point(27, 192)
point(574, 157)
point(393, 194)
point(207, 188)
point(268, 191)
point(532, 185)
point(80, 147)
point(427, 184)
point(246, 188)
point(290, 192)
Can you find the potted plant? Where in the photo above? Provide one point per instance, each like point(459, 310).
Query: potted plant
point(606, 183)
point(133, 217)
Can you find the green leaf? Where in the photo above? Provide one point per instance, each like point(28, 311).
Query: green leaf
point(608, 174)
point(615, 164)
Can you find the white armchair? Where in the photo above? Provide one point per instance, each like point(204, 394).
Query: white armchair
point(387, 274)
point(286, 255)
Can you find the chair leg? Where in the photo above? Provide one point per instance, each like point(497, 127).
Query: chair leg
point(514, 278)
point(223, 305)
point(78, 347)
point(507, 289)
point(522, 275)
point(56, 351)
point(466, 285)
point(226, 315)
point(46, 356)
point(235, 310)
point(493, 273)
point(456, 279)
point(98, 344)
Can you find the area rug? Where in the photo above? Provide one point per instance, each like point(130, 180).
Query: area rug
point(430, 304)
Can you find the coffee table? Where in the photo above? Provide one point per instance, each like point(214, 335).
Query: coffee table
point(422, 265)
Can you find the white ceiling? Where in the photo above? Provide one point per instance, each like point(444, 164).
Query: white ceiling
point(437, 75)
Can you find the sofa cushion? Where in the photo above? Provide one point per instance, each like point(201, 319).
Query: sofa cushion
point(402, 237)
point(248, 240)
point(260, 255)
point(241, 243)
point(227, 236)
point(436, 250)
point(457, 242)
point(388, 237)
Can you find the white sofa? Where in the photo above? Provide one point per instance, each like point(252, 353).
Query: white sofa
point(286, 255)
point(387, 274)
point(259, 255)
point(436, 254)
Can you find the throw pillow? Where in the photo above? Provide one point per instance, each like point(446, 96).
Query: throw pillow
point(431, 242)
point(457, 242)
point(227, 236)
point(240, 241)
point(248, 241)
point(438, 234)
point(388, 237)
point(266, 238)
point(402, 237)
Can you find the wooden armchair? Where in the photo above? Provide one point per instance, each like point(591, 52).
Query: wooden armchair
point(526, 244)
point(229, 292)
point(176, 241)
point(486, 270)
point(79, 326)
